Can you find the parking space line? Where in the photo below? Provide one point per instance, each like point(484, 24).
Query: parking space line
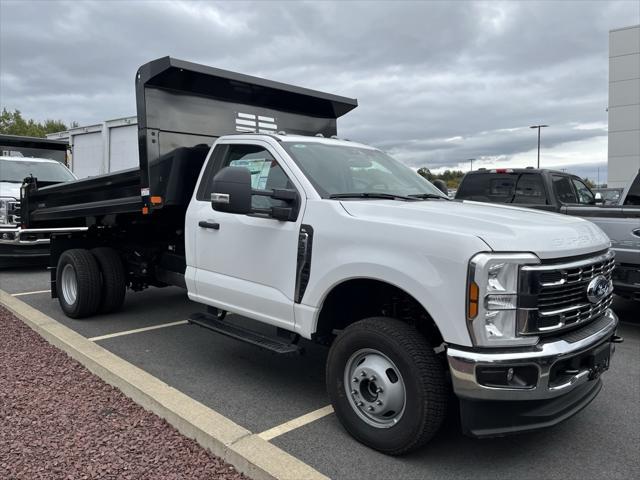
point(29, 293)
point(246, 451)
point(296, 423)
point(137, 330)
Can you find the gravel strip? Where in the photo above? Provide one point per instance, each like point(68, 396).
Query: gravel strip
point(59, 421)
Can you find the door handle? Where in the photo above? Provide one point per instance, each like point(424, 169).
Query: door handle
point(636, 232)
point(205, 224)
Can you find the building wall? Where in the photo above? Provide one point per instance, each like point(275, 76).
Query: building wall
point(624, 105)
point(102, 148)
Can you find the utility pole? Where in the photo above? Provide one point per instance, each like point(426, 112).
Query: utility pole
point(471, 160)
point(539, 127)
point(598, 177)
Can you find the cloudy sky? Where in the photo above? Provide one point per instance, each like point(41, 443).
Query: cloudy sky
point(437, 82)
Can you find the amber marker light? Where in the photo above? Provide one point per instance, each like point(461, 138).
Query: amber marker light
point(472, 306)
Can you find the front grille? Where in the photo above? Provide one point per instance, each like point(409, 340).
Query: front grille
point(557, 294)
point(13, 213)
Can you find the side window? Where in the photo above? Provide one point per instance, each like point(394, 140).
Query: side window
point(633, 196)
point(585, 196)
point(266, 173)
point(564, 190)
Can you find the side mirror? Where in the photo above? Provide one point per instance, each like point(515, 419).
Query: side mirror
point(598, 198)
point(232, 190)
point(441, 186)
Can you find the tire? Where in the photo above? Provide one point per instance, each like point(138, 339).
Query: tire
point(402, 353)
point(114, 284)
point(78, 283)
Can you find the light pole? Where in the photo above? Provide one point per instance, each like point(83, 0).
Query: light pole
point(471, 160)
point(539, 127)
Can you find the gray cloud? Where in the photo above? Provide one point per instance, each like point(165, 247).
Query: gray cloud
point(437, 82)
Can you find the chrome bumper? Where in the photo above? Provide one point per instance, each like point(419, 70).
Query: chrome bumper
point(32, 236)
point(464, 364)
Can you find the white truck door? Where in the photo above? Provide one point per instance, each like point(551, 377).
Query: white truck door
point(245, 263)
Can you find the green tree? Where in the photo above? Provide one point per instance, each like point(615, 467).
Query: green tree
point(451, 177)
point(589, 183)
point(426, 173)
point(12, 123)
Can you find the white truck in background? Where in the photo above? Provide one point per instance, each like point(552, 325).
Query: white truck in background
point(332, 241)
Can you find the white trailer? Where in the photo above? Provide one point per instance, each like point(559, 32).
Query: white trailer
point(103, 147)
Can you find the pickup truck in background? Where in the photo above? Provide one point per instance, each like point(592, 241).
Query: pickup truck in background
point(18, 247)
point(608, 196)
point(564, 193)
point(246, 197)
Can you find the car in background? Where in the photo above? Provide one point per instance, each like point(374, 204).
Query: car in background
point(544, 189)
point(18, 248)
point(608, 196)
point(565, 193)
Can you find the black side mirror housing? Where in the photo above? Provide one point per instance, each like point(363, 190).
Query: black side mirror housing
point(232, 193)
point(441, 186)
point(232, 190)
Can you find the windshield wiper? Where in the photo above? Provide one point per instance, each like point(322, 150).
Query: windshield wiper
point(386, 196)
point(424, 196)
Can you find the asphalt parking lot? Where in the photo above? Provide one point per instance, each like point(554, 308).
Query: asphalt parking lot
point(260, 391)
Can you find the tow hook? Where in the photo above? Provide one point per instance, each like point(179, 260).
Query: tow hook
point(617, 339)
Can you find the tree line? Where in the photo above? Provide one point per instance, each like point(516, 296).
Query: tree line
point(451, 177)
point(13, 123)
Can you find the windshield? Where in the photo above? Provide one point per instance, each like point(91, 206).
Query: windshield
point(16, 170)
point(338, 169)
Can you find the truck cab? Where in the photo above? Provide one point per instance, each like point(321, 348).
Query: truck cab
point(543, 189)
point(246, 197)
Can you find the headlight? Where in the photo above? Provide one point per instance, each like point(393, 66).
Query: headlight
point(4, 210)
point(492, 299)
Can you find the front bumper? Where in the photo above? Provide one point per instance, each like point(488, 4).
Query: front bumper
point(559, 379)
point(27, 247)
point(18, 236)
point(32, 236)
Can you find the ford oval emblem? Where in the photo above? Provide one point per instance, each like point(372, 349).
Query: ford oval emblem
point(598, 289)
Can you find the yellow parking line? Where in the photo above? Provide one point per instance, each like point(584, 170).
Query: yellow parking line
point(137, 330)
point(296, 423)
point(29, 293)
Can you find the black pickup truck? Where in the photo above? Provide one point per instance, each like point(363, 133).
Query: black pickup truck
point(564, 193)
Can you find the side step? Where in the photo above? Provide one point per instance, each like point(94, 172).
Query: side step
point(211, 322)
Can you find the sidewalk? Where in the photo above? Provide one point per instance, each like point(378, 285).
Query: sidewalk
point(59, 421)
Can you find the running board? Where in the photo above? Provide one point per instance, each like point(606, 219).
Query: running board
point(211, 322)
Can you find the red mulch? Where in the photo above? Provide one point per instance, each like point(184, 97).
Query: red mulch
point(59, 421)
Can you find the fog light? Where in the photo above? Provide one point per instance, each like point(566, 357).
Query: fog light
point(508, 377)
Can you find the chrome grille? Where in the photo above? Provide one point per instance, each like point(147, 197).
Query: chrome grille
point(558, 294)
point(13, 213)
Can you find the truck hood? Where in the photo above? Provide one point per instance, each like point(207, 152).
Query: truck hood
point(502, 228)
point(10, 189)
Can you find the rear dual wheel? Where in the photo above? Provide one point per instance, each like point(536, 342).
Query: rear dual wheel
point(88, 282)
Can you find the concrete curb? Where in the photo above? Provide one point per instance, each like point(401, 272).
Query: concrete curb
point(246, 451)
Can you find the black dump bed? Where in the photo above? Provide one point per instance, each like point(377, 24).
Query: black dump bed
point(182, 108)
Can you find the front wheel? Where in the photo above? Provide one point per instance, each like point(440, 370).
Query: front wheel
point(386, 385)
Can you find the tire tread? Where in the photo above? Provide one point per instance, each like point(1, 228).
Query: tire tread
point(113, 278)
